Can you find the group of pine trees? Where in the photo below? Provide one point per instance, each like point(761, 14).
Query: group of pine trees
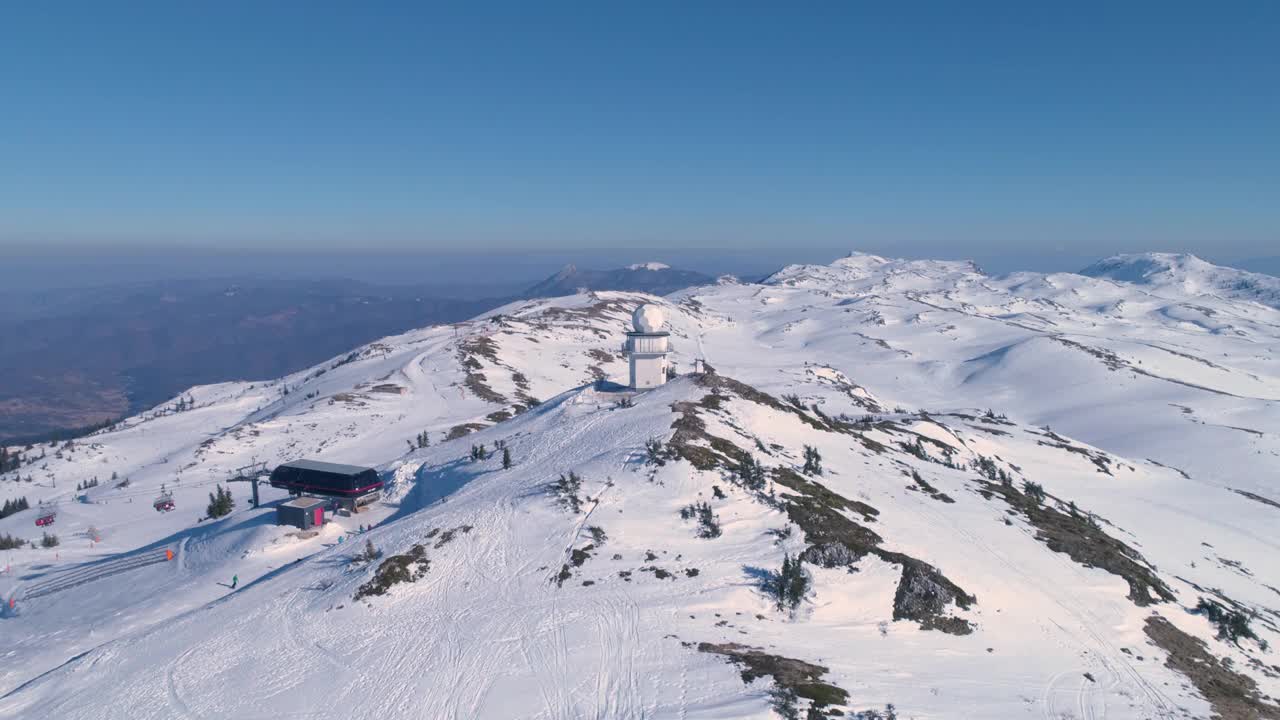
point(9, 542)
point(480, 452)
point(9, 460)
point(1232, 624)
point(993, 472)
point(220, 502)
point(917, 449)
point(812, 461)
point(12, 506)
point(1034, 491)
point(12, 461)
point(996, 474)
point(87, 484)
point(708, 522)
point(656, 453)
point(566, 489)
point(789, 585)
point(751, 473)
point(422, 440)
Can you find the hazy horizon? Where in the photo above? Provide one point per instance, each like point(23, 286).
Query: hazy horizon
point(461, 273)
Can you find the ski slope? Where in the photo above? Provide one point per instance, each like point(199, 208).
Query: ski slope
point(1147, 415)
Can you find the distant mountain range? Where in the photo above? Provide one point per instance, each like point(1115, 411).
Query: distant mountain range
point(653, 278)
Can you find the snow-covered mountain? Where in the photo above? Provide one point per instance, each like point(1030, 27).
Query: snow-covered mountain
point(1009, 496)
point(649, 277)
point(1188, 275)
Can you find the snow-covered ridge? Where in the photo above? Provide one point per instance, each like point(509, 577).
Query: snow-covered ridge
point(649, 266)
point(1188, 274)
point(861, 271)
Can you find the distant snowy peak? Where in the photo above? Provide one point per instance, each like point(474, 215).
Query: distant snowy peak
point(1148, 268)
point(1188, 274)
point(649, 266)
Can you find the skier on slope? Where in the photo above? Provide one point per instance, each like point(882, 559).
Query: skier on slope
point(235, 580)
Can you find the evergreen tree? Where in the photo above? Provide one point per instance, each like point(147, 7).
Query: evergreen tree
point(506, 458)
point(708, 523)
point(1033, 491)
point(220, 502)
point(812, 461)
point(751, 473)
point(655, 452)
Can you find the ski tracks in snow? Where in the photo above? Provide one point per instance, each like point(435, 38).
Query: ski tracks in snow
point(176, 702)
point(1087, 698)
point(306, 646)
point(617, 636)
point(571, 687)
point(1081, 703)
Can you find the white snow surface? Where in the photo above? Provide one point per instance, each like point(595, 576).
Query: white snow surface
point(1152, 403)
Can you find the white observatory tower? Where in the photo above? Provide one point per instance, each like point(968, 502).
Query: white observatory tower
point(647, 346)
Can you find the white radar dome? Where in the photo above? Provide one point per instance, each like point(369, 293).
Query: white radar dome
point(648, 319)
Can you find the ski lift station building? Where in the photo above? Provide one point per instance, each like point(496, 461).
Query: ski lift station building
point(352, 486)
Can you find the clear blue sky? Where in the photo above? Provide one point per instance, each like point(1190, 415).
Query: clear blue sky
point(943, 128)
